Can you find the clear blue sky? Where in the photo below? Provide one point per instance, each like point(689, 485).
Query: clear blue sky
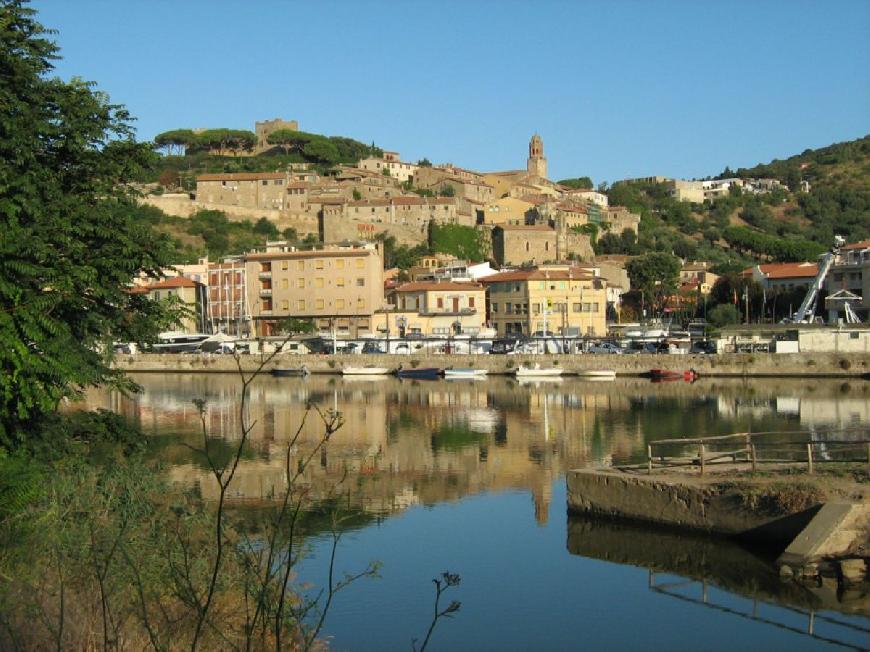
point(616, 89)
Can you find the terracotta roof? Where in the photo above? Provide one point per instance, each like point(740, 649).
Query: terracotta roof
point(408, 201)
point(575, 273)
point(370, 203)
point(863, 244)
point(785, 270)
point(174, 282)
point(446, 286)
point(241, 176)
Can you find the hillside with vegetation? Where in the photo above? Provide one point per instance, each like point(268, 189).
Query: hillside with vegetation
point(187, 154)
point(742, 228)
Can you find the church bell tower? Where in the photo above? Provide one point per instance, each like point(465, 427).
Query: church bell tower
point(537, 163)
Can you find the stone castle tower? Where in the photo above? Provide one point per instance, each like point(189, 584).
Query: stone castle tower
point(537, 163)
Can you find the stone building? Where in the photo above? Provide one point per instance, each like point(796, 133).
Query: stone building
point(514, 244)
point(559, 299)
point(255, 190)
point(537, 162)
point(263, 128)
point(335, 287)
point(509, 210)
point(389, 163)
point(228, 310)
point(406, 218)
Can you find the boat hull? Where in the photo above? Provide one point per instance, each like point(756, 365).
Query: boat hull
point(522, 372)
point(365, 371)
point(282, 372)
point(426, 373)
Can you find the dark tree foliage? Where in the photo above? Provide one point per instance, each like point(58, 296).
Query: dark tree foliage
point(655, 275)
point(580, 183)
point(70, 244)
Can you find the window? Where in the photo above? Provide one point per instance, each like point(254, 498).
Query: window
point(285, 304)
point(318, 304)
point(318, 282)
point(339, 282)
point(471, 302)
point(360, 263)
point(595, 307)
point(339, 264)
point(339, 304)
point(265, 182)
point(318, 264)
point(587, 307)
point(577, 307)
point(536, 308)
point(494, 307)
point(300, 265)
point(285, 264)
point(439, 302)
point(300, 282)
point(360, 282)
point(285, 283)
point(360, 304)
point(300, 304)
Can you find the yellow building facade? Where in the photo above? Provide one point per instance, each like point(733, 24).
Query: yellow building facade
point(560, 299)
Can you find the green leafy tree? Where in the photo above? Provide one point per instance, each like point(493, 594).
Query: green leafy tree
point(424, 163)
point(447, 191)
point(579, 183)
point(724, 314)
point(464, 242)
point(288, 139)
point(290, 234)
point(177, 141)
point(71, 244)
point(223, 140)
point(266, 228)
point(655, 276)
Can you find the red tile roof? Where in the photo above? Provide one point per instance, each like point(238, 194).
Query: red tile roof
point(575, 273)
point(174, 282)
point(241, 176)
point(863, 244)
point(446, 286)
point(785, 270)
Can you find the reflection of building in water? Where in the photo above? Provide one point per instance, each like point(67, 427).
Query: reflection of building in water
point(409, 442)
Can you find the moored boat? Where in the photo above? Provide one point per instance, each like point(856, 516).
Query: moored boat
point(365, 371)
point(301, 370)
point(464, 373)
point(537, 371)
point(689, 375)
point(420, 373)
point(598, 374)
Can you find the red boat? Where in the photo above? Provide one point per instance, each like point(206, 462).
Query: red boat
point(661, 375)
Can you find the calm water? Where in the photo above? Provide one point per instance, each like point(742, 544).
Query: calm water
point(469, 477)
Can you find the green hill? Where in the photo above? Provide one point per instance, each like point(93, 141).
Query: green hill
point(737, 230)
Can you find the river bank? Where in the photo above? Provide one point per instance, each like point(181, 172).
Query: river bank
point(820, 365)
point(817, 524)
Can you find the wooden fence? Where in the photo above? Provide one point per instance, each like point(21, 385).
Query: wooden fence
point(754, 448)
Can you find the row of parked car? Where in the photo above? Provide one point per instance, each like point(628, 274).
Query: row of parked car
point(515, 345)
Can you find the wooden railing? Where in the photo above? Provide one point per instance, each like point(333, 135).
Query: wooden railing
point(754, 448)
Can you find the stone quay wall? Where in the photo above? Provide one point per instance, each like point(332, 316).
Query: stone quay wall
point(842, 365)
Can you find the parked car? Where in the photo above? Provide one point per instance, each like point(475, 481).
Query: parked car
point(604, 347)
point(372, 347)
point(704, 346)
point(502, 346)
point(647, 347)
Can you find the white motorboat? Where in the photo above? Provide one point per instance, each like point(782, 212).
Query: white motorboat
point(365, 371)
point(537, 371)
point(465, 373)
point(597, 374)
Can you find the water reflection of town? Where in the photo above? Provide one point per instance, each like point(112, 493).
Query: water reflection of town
point(413, 442)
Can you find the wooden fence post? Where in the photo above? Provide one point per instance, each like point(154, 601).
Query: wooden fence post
point(753, 457)
point(701, 456)
point(809, 458)
point(649, 458)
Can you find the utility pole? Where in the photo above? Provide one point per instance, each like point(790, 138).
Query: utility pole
point(746, 303)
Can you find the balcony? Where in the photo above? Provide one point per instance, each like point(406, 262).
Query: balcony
point(265, 292)
point(266, 313)
point(265, 274)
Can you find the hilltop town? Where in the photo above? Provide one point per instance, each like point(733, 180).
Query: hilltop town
point(541, 256)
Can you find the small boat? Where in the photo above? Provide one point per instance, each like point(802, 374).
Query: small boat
point(465, 373)
point(537, 371)
point(365, 371)
point(597, 374)
point(301, 370)
point(420, 373)
point(538, 380)
point(659, 375)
